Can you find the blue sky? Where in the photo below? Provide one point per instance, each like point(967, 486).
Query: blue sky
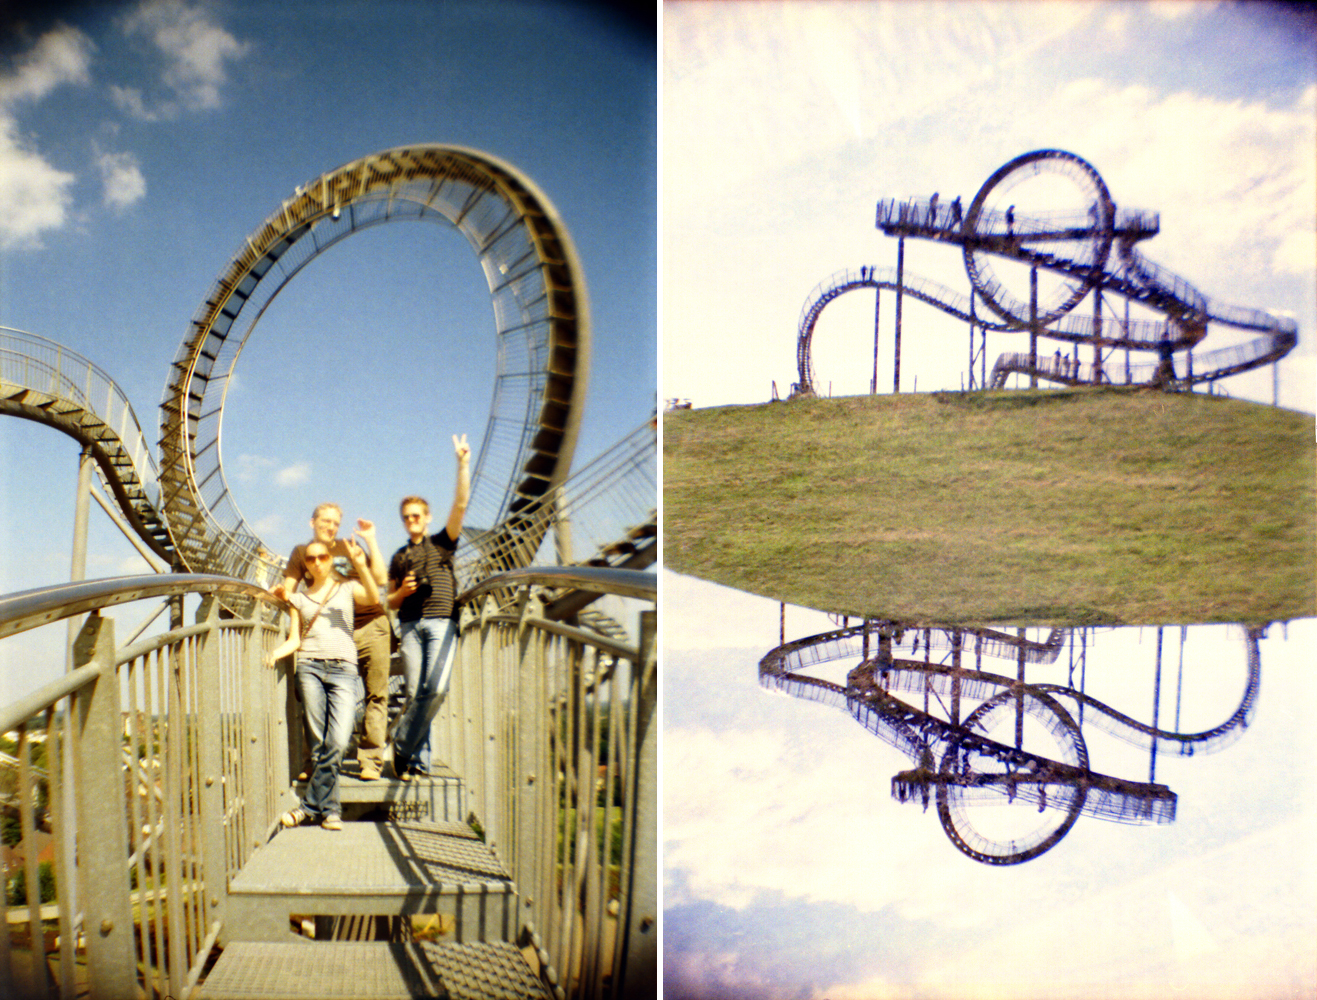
point(140, 143)
point(789, 871)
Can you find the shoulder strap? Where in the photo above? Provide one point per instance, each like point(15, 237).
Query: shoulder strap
point(306, 625)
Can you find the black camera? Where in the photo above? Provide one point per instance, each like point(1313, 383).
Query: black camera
point(419, 572)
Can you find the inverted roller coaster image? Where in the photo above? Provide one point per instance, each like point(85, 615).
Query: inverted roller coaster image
point(981, 741)
point(1039, 236)
point(181, 508)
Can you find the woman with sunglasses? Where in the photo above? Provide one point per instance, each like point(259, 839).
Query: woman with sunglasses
point(320, 632)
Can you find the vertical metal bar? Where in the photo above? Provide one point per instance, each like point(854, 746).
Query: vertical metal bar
point(78, 560)
point(1156, 707)
point(957, 638)
point(1179, 677)
point(491, 748)
point(524, 856)
point(877, 304)
point(1097, 335)
point(157, 811)
point(103, 844)
point(137, 842)
point(213, 713)
point(639, 977)
point(40, 981)
point(900, 290)
point(174, 737)
point(56, 747)
point(1128, 376)
point(1019, 691)
point(252, 687)
point(1033, 327)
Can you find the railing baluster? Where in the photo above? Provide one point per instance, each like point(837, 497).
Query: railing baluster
point(102, 843)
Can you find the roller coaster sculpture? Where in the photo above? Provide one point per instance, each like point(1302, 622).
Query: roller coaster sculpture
point(182, 508)
point(972, 761)
point(1070, 238)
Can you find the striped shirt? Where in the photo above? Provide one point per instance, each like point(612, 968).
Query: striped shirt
point(330, 636)
point(431, 559)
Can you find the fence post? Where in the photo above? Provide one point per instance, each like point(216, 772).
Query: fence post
point(102, 821)
point(261, 738)
point(210, 726)
point(640, 972)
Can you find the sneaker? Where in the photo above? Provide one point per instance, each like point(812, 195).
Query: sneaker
point(332, 822)
point(293, 817)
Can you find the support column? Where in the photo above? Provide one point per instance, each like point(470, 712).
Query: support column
point(1097, 336)
point(210, 751)
point(78, 561)
point(102, 823)
point(1156, 706)
point(1019, 691)
point(900, 289)
point(877, 302)
point(1033, 328)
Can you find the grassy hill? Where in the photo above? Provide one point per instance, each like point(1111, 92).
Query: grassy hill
point(1059, 507)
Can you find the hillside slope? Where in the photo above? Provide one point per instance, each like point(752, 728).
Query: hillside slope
point(1033, 507)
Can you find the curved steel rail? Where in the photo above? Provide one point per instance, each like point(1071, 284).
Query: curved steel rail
point(1078, 247)
point(541, 326)
point(43, 381)
point(29, 609)
point(1065, 785)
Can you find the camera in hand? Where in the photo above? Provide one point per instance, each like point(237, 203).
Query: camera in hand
point(419, 572)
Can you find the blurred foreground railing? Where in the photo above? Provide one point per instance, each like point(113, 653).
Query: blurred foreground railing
point(552, 727)
point(160, 763)
point(150, 774)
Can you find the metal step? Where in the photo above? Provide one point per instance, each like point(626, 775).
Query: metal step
point(440, 798)
point(373, 869)
point(372, 971)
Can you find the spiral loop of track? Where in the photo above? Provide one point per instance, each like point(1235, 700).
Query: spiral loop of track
point(541, 327)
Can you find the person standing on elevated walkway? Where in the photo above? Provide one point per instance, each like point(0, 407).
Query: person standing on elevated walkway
point(423, 587)
point(371, 631)
point(320, 632)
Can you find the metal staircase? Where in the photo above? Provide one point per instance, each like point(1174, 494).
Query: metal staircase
point(524, 866)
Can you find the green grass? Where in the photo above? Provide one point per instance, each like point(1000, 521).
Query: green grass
point(1032, 507)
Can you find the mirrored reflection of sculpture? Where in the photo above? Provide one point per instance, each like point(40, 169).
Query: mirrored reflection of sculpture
point(1004, 760)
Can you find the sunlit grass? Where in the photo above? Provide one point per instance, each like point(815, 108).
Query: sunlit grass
point(1034, 507)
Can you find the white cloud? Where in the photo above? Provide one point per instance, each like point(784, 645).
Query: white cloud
point(34, 195)
point(122, 178)
point(196, 51)
point(293, 475)
point(62, 55)
point(252, 467)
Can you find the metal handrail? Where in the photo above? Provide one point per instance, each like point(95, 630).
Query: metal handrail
point(598, 579)
point(30, 609)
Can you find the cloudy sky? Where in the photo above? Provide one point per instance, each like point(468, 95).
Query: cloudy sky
point(789, 871)
point(140, 144)
point(1202, 112)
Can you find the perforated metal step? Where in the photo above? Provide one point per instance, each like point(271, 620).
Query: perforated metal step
point(375, 869)
point(438, 798)
point(372, 971)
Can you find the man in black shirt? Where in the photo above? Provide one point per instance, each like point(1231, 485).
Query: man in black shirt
point(423, 587)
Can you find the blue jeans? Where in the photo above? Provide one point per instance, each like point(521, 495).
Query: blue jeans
point(329, 698)
point(427, 649)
